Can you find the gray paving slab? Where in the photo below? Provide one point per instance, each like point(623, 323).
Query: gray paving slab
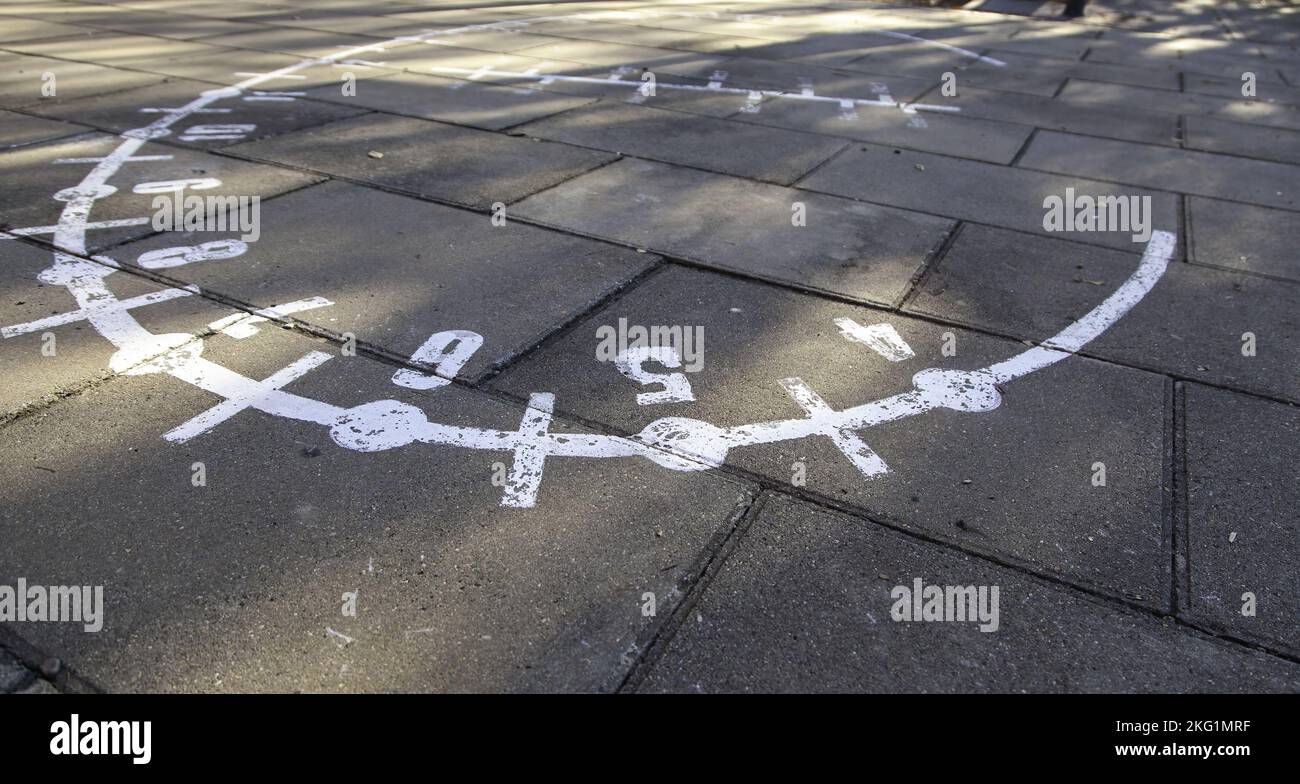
point(852, 249)
point(1056, 114)
point(961, 189)
point(1264, 183)
point(1249, 111)
point(19, 129)
point(41, 361)
point(1025, 65)
point(23, 80)
point(421, 56)
point(1178, 55)
point(237, 585)
point(528, 74)
point(257, 113)
point(1015, 481)
point(472, 167)
point(930, 131)
point(33, 176)
point(227, 69)
point(629, 33)
point(488, 40)
point(804, 604)
point(1251, 141)
point(1241, 532)
point(21, 29)
point(111, 48)
point(1191, 324)
point(752, 72)
point(668, 61)
point(184, 27)
point(450, 100)
point(742, 149)
point(1241, 236)
point(325, 19)
point(426, 268)
point(920, 62)
point(297, 41)
point(832, 49)
point(1231, 88)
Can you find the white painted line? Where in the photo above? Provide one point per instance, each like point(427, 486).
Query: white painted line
point(132, 159)
point(854, 448)
point(525, 475)
point(243, 325)
point(90, 311)
point(9, 234)
point(479, 73)
point(881, 338)
point(248, 396)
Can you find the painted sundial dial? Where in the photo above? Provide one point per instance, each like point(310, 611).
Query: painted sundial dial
point(675, 443)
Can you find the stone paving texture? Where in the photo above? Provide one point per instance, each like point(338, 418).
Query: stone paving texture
point(384, 445)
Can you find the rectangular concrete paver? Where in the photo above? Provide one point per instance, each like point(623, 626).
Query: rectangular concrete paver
point(856, 250)
point(1241, 535)
point(1234, 138)
point(767, 154)
point(472, 167)
point(930, 131)
point(1015, 481)
point(1194, 323)
point(1056, 114)
point(1242, 110)
point(1256, 182)
point(254, 114)
point(804, 604)
point(449, 100)
point(1004, 196)
point(19, 129)
point(1245, 237)
point(23, 80)
point(1022, 65)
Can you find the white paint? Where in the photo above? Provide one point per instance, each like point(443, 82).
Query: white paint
point(243, 325)
point(676, 443)
point(854, 448)
point(132, 159)
point(677, 389)
point(881, 338)
point(479, 73)
point(9, 234)
point(447, 364)
point(98, 308)
point(249, 396)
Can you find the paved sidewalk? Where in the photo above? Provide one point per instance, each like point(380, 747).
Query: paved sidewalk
point(395, 432)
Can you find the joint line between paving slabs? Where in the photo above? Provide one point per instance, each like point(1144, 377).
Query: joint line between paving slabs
point(67, 680)
point(706, 567)
point(928, 265)
point(1092, 592)
point(1180, 532)
point(571, 322)
point(1170, 481)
